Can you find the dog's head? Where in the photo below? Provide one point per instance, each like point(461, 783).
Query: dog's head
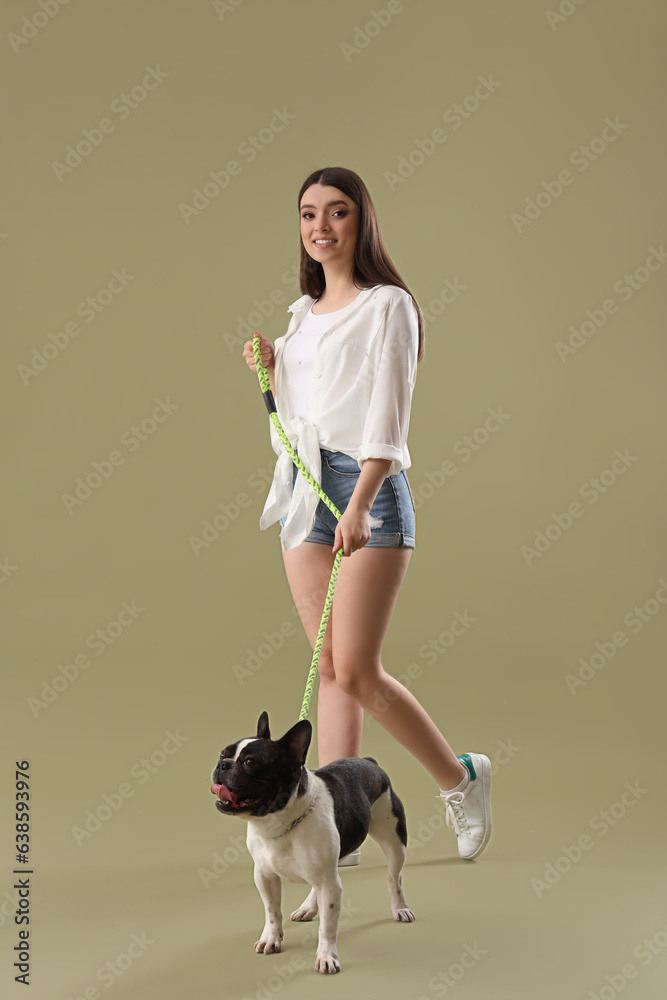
point(257, 775)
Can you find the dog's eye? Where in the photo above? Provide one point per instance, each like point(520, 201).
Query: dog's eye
point(248, 762)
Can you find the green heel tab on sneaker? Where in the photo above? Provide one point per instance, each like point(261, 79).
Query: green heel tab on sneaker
point(467, 760)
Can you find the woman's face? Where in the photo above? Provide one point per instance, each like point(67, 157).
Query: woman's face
point(329, 214)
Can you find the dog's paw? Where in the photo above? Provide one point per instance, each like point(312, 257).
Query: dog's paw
point(327, 961)
point(404, 915)
point(308, 908)
point(269, 942)
point(304, 912)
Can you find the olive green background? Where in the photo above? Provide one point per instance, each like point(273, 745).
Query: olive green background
point(174, 332)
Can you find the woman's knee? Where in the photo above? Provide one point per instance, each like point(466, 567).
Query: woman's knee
point(359, 680)
point(325, 667)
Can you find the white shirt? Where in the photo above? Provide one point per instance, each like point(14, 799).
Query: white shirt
point(299, 359)
point(364, 374)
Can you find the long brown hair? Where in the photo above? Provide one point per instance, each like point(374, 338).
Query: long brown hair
point(372, 263)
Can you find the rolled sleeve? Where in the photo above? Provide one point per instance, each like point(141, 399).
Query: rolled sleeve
point(386, 426)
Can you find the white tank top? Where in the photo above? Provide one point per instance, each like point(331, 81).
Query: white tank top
point(299, 358)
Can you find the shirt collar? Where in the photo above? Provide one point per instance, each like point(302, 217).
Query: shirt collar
point(304, 303)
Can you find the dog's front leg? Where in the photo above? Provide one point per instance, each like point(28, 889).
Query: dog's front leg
point(329, 898)
point(269, 887)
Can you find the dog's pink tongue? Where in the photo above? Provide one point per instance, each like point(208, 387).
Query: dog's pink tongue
point(224, 793)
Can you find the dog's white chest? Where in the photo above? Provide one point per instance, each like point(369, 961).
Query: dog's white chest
point(305, 849)
point(279, 859)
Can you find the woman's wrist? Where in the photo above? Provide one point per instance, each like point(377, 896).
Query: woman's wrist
point(360, 505)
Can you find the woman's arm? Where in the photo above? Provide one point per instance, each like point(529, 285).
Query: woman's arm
point(372, 475)
point(354, 527)
point(387, 420)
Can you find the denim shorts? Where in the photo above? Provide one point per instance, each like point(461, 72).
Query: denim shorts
point(393, 503)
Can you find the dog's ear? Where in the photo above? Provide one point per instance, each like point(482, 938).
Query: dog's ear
point(297, 740)
point(263, 731)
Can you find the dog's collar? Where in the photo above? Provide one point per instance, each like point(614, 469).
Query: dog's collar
point(297, 820)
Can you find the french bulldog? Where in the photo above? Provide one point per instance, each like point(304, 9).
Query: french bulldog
point(301, 822)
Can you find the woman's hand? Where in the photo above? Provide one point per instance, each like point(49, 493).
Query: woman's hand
point(353, 530)
point(266, 353)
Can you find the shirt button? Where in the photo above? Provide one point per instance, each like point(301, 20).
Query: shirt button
point(318, 374)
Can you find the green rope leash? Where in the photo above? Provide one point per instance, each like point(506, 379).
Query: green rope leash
point(265, 386)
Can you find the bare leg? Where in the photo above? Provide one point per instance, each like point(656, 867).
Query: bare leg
point(340, 722)
point(340, 717)
point(370, 580)
point(366, 591)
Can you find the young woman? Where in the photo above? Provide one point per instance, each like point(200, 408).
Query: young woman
point(342, 378)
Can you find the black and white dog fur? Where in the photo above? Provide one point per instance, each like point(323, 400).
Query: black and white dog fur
point(301, 822)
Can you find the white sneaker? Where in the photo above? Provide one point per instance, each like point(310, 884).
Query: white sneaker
point(353, 858)
point(469, 811)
